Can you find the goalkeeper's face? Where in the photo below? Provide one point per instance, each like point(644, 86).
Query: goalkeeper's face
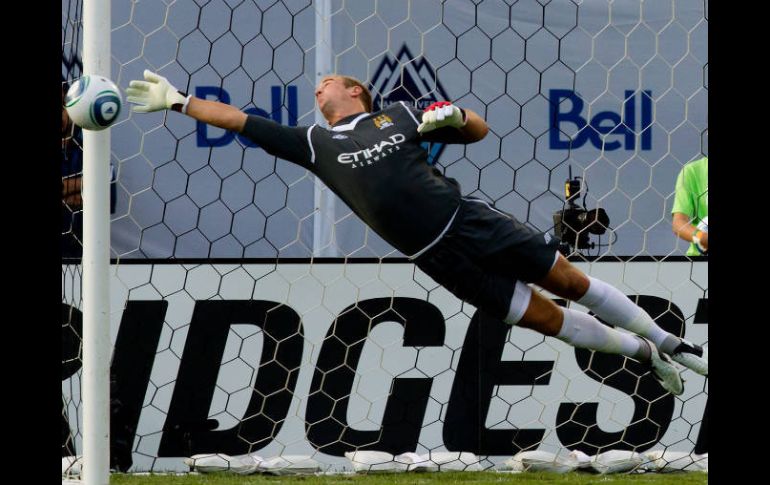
point(334, 97)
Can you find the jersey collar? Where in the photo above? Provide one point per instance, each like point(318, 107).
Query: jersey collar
point(349, 122)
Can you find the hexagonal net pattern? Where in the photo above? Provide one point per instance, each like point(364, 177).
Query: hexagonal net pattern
point(232, 336)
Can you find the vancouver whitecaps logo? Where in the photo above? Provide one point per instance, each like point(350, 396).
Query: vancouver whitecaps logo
point(409, 79)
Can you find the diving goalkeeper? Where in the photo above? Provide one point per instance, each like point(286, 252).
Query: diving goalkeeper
point(375, 163)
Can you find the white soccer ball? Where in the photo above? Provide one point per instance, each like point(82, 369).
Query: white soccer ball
point(93, 102)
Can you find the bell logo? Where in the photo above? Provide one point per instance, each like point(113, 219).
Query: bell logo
point(566, 108)
point(204, 139)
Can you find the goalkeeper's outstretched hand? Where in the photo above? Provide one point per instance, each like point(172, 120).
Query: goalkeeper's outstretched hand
point(155, 93)
point(441, 114)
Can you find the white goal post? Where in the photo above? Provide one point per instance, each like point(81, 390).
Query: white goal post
point(96, 258)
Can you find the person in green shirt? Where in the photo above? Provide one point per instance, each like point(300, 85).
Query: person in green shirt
point(691, 206)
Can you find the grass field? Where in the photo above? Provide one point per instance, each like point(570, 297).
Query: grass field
point(474, 478)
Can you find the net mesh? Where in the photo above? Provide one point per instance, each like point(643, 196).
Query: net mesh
point(224, 343)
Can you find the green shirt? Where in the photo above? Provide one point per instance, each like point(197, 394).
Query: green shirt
point(692, 194)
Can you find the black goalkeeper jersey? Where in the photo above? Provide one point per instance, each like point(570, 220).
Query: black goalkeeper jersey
point(375, 163)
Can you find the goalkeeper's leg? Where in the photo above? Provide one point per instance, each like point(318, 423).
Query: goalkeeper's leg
point(515, 302)
point(582, 330)
point(607, 302)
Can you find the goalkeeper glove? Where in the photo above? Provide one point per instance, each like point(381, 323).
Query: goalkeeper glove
point(441, 114)
point(155, 93)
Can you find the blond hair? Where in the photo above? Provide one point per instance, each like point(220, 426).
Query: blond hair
point(365, 98)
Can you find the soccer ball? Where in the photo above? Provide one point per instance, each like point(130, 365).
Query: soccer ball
point(93, 102)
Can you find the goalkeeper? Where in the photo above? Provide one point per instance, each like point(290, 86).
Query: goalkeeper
point(375, 163)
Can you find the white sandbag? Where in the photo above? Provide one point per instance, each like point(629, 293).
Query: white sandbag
point(542, 461)
point(617, 461)
point(448, 461)
point(220, 462)
point(369, 461)
point(289, 465)
point(666, 461)
point(413, 461)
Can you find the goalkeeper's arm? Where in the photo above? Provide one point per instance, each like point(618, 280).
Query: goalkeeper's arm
point(475, 128)
point(155, 93)
point(468, 125)
point(217, 114)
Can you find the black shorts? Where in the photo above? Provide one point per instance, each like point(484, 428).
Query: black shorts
point(484, 252)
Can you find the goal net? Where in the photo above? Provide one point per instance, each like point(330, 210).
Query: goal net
point(253, 313)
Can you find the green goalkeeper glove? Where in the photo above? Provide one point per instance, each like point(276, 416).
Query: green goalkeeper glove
point(155, 93)
point(441, 114)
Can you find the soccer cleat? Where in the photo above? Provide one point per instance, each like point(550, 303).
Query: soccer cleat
point(665, 372)
point(691, 356)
